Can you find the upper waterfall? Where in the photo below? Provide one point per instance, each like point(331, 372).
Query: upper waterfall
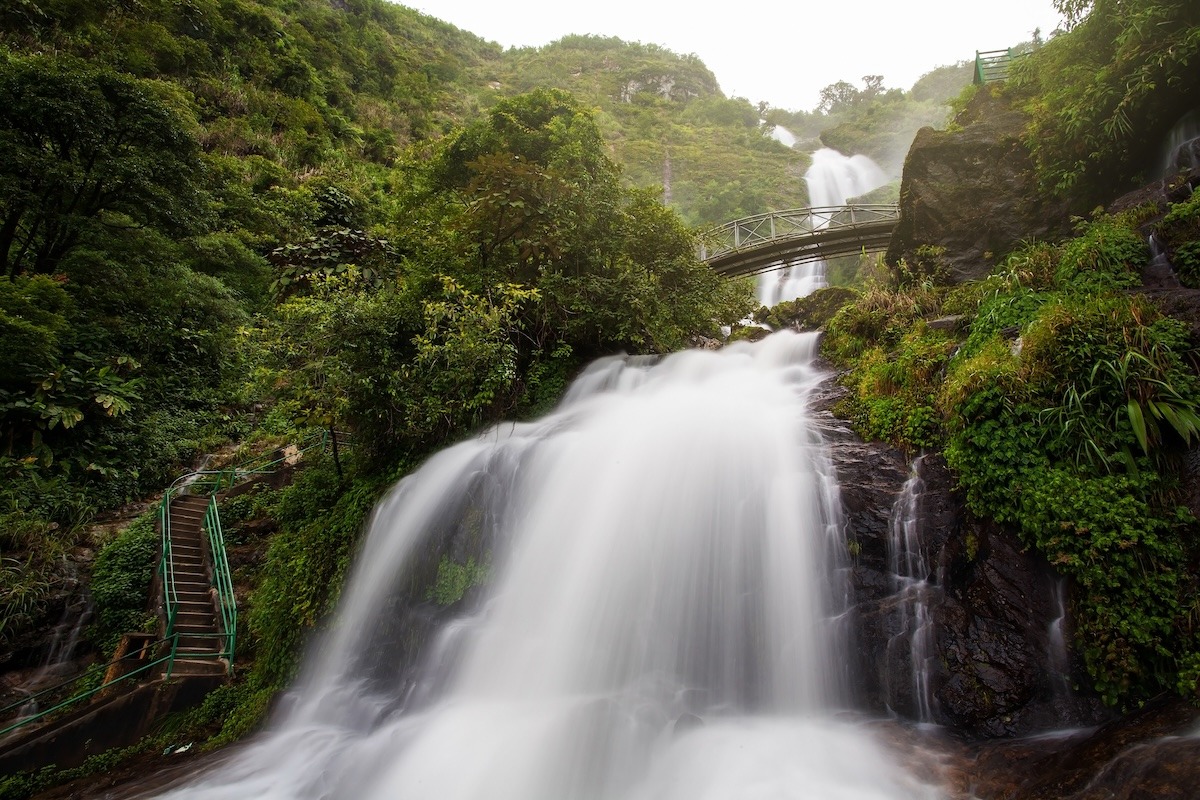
point(832, 178)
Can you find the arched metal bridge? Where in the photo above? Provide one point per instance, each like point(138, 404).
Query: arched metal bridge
point(782, 238)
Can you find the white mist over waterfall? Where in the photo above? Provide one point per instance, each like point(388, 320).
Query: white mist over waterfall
point(832, 179)
point(662, 619)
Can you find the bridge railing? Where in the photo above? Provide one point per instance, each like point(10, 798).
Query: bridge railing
point(993, 65)
point(750, 232)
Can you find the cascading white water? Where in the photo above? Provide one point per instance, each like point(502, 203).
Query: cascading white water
point(1181, 150)
point(1057, 656)
point(832, 179)
point(781, 134)
point(912, 645)
point(660, 622)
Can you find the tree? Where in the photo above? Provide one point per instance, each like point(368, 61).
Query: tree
point(837, 97)
point(872, 87)
point(82, 145)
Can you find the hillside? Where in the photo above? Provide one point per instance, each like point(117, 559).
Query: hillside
point(198, 199)
point(669, 125)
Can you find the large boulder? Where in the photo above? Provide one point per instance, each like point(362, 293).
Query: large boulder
point(967, 196)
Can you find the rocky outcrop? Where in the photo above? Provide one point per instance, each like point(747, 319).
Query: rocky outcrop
point(1153, 752)
point(991, 603)
point(967, 196)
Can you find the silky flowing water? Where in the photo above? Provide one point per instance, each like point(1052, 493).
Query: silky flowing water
point(912, 645)
point(662, 616)
point(832, 178)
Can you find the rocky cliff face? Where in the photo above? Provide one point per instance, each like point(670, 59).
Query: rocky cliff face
point(967, 196)
point(991, 604)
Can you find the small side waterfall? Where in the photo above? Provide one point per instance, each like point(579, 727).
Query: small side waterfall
point(832, 179)
point(1182, 147)
point(1057, 655)
point(1160, 271)
point(660, 624)
point(61, 646)
point(911, 647)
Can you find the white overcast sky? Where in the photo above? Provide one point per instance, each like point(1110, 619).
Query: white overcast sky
point(783, 53)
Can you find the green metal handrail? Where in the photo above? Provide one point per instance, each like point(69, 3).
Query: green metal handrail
point(166, 569)
point(208, 482)
point(214, 480)
point(167, 659)
point(211, 482)
point(992, 65)
point(222, 579)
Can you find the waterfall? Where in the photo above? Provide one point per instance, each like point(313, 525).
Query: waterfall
point(912, 645)
point(781, 134)
point(1181, 150)
point(1057, 655)
point(832, 180)
point(661, 619)
point(1160, 271)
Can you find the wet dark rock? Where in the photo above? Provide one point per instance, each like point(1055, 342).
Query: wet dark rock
point(992, 631)
point(968, 196)
point(1160, 193)
point(704, 343)
point(991, 606)
point(1151, 753)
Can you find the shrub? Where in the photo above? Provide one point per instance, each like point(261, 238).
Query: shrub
point(121, 581)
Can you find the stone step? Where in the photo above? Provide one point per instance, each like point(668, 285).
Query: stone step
point(195, 573)
point(199, 666)
point(202, 642)
point(194, 592)
point(185, 500)
point(196, 623)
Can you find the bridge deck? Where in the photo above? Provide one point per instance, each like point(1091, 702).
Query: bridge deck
point(771, 241)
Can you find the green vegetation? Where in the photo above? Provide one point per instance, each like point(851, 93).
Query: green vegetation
point(454, 580)
point(1063, 412)
point(121, 579)
point(1098, 96)
point(668, 123)
point(1179, 233)
point(249, 218)
point(874, 120)
point(1062, 402)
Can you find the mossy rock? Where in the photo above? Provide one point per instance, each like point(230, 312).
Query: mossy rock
point(808, 313)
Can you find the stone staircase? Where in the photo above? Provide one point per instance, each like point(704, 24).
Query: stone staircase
point(196, 620)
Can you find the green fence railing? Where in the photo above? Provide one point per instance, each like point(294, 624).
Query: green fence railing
point(993, 65)
point(62, 695)
point(162, 653)
point(165, 573)
point(211, 482)
point(222, 580)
